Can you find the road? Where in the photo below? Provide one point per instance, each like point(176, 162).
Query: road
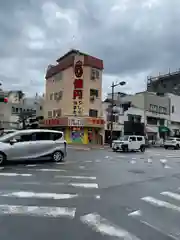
point(96, 194)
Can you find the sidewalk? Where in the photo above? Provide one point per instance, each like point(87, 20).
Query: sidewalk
point(87, 147)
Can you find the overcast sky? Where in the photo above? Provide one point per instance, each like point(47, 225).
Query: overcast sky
point(135, 38)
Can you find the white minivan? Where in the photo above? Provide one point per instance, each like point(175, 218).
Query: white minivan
point(33, 144)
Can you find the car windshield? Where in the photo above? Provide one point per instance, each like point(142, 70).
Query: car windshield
point(124, 138)
point(6, 136)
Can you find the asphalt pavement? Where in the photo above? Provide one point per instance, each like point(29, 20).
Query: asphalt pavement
point(95, 194)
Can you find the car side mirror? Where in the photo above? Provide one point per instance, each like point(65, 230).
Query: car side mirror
point(130, 140)
point(13, 141)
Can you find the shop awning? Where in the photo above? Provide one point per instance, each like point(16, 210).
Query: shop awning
point(163, 129)
point(150, 130)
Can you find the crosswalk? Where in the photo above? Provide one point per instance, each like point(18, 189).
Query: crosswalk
point(33, 191)
point(160, 213)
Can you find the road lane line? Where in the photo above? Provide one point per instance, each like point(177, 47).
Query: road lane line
point(24, 194)
point(31, 165)
point(104, 227)
point(37, 211)
point(158, 203)
point(84, 185)
point(16, 174)
point(50, 170)
point(139, 215)
point(171, 195)
point(76, 177)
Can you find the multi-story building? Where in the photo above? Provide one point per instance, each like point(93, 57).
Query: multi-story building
point(175, 114)
point(73, 94)
point(167, 83)
point(16, 106)
point(145, 107)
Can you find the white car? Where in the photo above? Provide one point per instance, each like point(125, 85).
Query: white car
point(33, 144)
point(172, 143)
point(129, 143)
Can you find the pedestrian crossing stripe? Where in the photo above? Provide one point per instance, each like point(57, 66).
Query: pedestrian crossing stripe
point(105, 227)
point(37, 211)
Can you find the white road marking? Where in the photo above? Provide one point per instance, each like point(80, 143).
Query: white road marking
point(158, 230)
point(50, 170)
point(81, 167)
point(139, 214)
point(98, 197)
point(23, 194)
point(15, 174)
point(88, 161)
point(97, 160)
point(158, 203)
point(149, 160)
point(163, 161)
point(132, 161)
point(171, 195)
point(134, 158)
point(76, 177)
point(37, 211)
point(104, 227)
point(135, 213)
point(84, 185)
point(31, 165)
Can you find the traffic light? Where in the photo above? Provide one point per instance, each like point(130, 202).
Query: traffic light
point(4, 99)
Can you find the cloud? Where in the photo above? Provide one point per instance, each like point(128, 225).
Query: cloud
point(134, 38)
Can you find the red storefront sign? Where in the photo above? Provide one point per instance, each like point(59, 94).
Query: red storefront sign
point(55, 122)
point(78, 88)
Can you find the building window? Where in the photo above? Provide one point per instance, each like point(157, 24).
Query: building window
point(40, 108)
point(17, 110)
point(162, 110)
point(173, 109)
point(93, 113)
point(58, 95)
point(94, 92)
point(161, 122)
point(51, 96)
point(153, 108)
point(56, 113)
point(95, 74)
point(152, 121)
point(49, 114)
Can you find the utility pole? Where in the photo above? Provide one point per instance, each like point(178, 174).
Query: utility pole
point(112, 107)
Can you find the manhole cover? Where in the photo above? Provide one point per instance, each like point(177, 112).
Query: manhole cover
point(137, 171)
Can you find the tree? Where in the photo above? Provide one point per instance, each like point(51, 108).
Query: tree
point(23, 117)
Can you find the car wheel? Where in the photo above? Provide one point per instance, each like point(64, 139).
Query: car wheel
point(114, 149)
point(2, 158)
point(57, 156)
point(166, 147)
point(125, 148)
point(142, 149)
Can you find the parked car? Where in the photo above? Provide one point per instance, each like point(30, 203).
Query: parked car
point(33, 144)
point(172, 143)
point(129, 143)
